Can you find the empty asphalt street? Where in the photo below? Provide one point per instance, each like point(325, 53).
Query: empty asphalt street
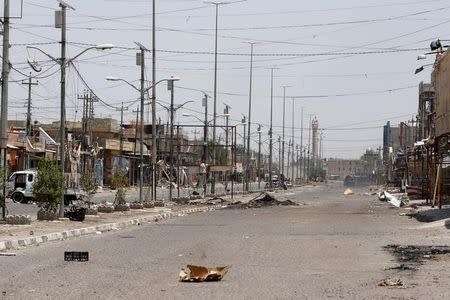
point(330, 246)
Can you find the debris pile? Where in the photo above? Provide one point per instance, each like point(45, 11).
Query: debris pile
point(390, 282)
point(262, 200)
point(199, 273)
point(396, 200)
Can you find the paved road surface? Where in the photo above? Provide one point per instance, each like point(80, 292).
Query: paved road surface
point(331, 247)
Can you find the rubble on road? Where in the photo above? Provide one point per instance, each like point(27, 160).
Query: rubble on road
point(390, 282)
point(348, 192)
point(200, 274)
point(211, 201)
point(396, 200)
point(262, 200)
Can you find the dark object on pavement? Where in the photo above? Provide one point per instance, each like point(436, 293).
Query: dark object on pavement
point(76, 256)
point(199, 273)
point(262, 200)
point(411, 254)
point(195, 193)
point(75, 214)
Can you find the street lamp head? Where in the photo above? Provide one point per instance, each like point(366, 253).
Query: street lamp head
point(225, 115)
point(34, 65)
point(172, 78)
point(104, 46)
point(435, 45)
point(418, 70)
point(186, 115)
point(112, 78)
point(422, 56)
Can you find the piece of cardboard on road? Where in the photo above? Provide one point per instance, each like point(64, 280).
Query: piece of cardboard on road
point(199, 273)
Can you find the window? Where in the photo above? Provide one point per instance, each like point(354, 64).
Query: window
point(30, 177)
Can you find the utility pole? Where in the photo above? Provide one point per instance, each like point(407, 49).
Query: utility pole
point(121, 129)
point(141, 62)
point(137, 111)
point(227, 117)
point(30, 83)
point(213, 182)
point(4, 105)
point(290, 158)
point(226, 112)
point(271, 130)
point(259, 157)
point(309, 149)
point(170, 86)
point(62, 134)
point(244, 164)
point(284, 126)
point(154, 142)
point(293, 139)
point(205, 129)
point(249, 119)
point(298, 162)
point(304, 163)
point(301, 145)
point(279, 159)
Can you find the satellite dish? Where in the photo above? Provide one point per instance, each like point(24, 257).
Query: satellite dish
point(34, 65)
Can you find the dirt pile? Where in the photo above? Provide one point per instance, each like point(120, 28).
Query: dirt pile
point(263, 200)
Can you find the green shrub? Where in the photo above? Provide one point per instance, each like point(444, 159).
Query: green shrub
point(119, 181)
point(88, 182)
point(48, 187)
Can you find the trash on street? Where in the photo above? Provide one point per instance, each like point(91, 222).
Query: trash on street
point(199, 273)
point(390, 282)
point(348, 192)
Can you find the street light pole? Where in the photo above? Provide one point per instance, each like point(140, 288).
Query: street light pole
point(271, 130)
point(205, 129)
point(259, 158)
point(227, 117)
point(293, 139)
point(62, 128)
point(249, 119)
point(301, 145)
point(141, 134)
point(4, 105)
point(154, 142)
point(309, 149)
point(213, 183)
point(171, 141)
point(244, 171)
point(284, 125)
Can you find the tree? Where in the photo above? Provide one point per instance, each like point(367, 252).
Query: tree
point(119, 181)
point(48, 187)
point(89, 184)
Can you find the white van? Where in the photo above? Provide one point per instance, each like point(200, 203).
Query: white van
point(19, 186)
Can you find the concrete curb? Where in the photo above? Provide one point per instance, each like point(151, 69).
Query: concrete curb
point(72, 233)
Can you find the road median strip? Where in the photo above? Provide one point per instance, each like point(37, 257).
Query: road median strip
point(14, 244)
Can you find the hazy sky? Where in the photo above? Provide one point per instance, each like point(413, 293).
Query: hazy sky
point(358, 56)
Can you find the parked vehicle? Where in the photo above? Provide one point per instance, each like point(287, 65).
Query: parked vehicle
point(19, 186)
